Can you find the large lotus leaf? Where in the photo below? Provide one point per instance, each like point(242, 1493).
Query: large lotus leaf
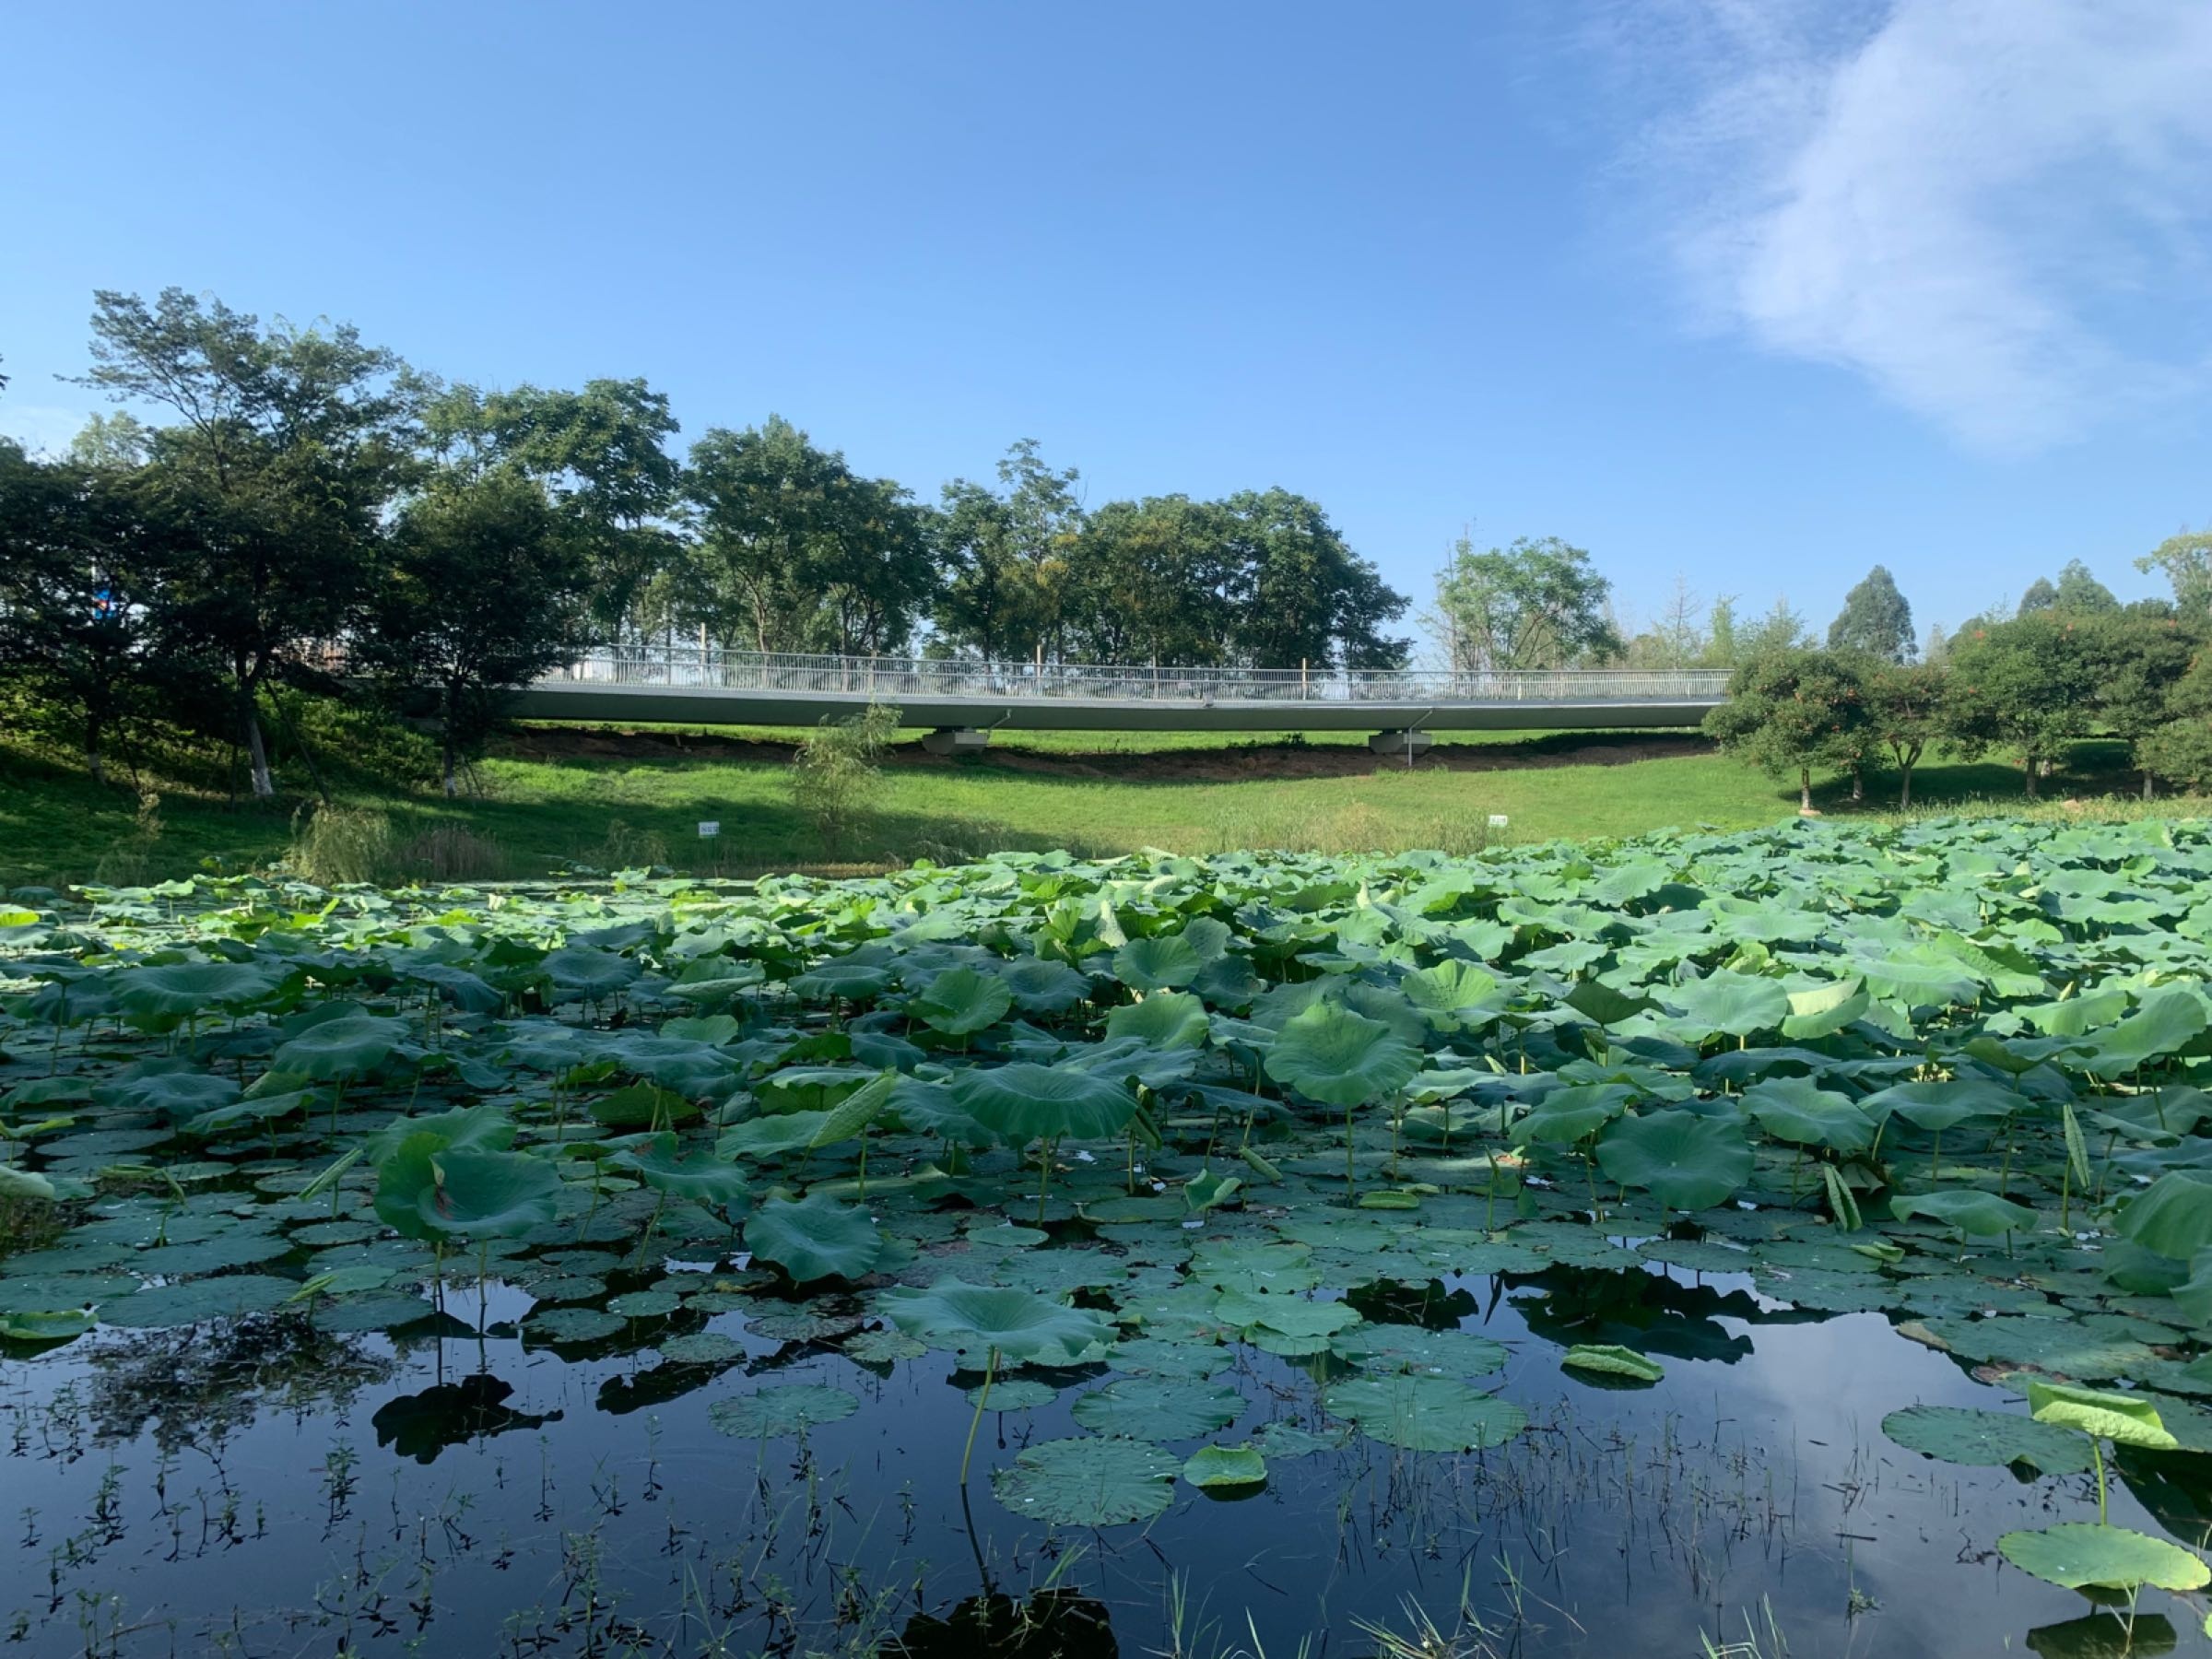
point(472, 1128)
point(1331, 1054)
point(975, 1320)
point(1288, 1315)
point(1727, 1004)
point(2168, 1021)
point(1798, 1110)
point(433, 1190)
point(2125, 1420)
point(1024, 1101)
point(1426, 1414)
point(2083, 1555)
point(578, 974)
point(2172, 1216)
point(1162, 962)
point(841, 982)
point(1568, 1115)
point(787, 1408)
point(667, 1165)
point(961, 1002)
point(64, 1325)
point(1158, 1408)
point(809, 1087)
point(1687, 1162)
point(1962, 1435)
point(814, 1237)
point(1044, 987)
point(1088, 1482)
point(227, 1296)
point(640, 1105)
point(1938, 1106)
point(186, 988)
point(1401, 1348)
point(1983, 1215)
point(350, 1046)
point(1455, 994)
point(772, 1137)
point(179, 1096)
point(1166, 1019)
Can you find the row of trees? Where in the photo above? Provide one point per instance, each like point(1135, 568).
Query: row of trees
point(2027, 688)
point(305, 495)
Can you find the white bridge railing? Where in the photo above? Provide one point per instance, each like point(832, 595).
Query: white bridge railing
point(893, 680)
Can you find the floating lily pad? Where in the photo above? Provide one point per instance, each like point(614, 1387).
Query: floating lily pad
point(787, 1408)
point(1962, 1435)
point(1088, 1482)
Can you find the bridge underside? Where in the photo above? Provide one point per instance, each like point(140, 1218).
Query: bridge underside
point(684, 705)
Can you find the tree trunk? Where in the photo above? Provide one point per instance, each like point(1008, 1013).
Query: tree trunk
point(446, 741)
point(2029, 767)
point(1904, 788)
point(1805, 789)
point(94, 762)
point(2148, 791)
point(1858, 783)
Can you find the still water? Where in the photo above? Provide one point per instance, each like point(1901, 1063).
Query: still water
point(267, 1489)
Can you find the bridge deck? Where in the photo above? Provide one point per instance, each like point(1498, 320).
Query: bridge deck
point(684, 686)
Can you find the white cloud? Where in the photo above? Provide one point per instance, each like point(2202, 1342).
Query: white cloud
point(1993, 209)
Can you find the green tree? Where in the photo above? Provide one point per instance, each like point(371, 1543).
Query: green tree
point(1789, 711)
point(2027, 687)
point(1875, 620)
point(2040, 595)
point(795, 552)
point(1722, 648)
point(1300, 593)
point(290, 445)
point(482, 593)
point(1153, 584)
point(1904, 712)
point(82, 569)
point(2136, 663)
point(2080, 593)
point(1009, 554)
point(601, 454)
point(2180, 749)
point(2186, 561)
point(1536, 604)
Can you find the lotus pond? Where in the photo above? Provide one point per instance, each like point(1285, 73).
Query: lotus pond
point(1792, 1241)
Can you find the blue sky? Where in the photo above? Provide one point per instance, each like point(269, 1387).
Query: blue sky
point(1755, 291)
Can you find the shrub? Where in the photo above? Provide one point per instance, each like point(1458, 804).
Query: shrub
point(451, 853)
point(336, 844)
point(834, 778)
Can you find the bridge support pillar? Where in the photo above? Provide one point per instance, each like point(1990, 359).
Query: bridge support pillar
point(956, 740)
point(1401, 743)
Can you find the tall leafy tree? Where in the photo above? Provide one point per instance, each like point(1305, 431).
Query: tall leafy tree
point(288, 446)
point(83, 568)
point(2136, 662)
point(482, 593)
point(1536, 604)
point(797, 552)
point(1153, 584)
point(1903, 705)
point(1009, 556)
point(2026, 687)
point(1790, 711)
point(1875, 620)
point(601, 455)
point(1302, 596)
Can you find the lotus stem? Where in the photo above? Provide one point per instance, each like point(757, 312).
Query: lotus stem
point(1044, 1174)
point(975, 1422)
point(2097, 1455)
point(1351, 1181)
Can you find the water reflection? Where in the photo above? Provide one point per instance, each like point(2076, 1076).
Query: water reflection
point(197, 1386)
point(423, 1424)
point(1052, 1624)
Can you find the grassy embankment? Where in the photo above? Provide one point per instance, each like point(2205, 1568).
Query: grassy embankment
point(556, 795)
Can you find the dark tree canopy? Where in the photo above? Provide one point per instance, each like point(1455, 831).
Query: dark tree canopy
point(1875, 620)
point(1789, 711)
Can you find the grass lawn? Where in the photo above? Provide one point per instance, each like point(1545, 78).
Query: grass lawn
point(631, 802)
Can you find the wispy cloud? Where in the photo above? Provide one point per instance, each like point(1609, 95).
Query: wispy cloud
point(1996, 210)
point(39, 426)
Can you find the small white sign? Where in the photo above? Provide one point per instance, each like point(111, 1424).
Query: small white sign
point(1497, 820)
point(708, 828)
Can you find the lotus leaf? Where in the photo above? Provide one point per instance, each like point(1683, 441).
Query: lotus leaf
point(1687, 1162)
point(815, 1238)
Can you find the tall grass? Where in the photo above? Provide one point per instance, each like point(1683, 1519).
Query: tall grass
point(336, 846)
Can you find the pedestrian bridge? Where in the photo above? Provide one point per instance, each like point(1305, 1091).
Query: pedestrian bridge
point(965, 701)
